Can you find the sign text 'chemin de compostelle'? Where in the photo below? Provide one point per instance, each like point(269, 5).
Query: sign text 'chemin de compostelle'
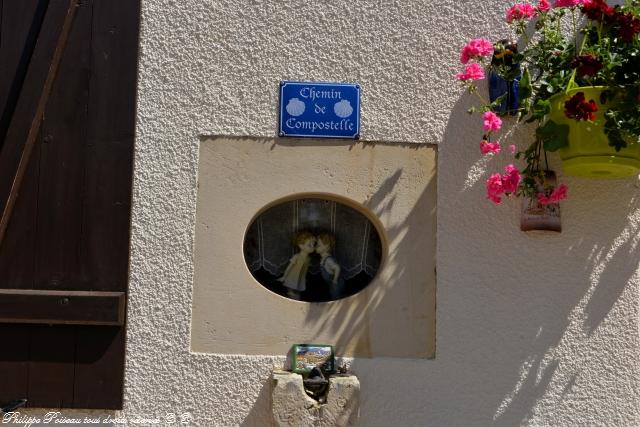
point(319, 110)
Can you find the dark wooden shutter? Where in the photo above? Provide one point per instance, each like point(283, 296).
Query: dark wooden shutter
point(64, 256)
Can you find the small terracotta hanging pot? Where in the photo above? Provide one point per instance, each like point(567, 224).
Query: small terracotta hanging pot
point(536, 216)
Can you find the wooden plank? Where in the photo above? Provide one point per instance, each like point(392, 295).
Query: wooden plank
point(14, 362)
point(22, 22)
point(109, 166)
point(100, 358)
point(25, 122)
point(62, 163)
point(17, 40)
point(62, 307)
point(59, 213)
point(17, 253)
point(109, 162)
point(52, 354)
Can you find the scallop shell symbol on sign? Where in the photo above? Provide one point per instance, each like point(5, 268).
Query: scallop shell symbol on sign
point(295, 107)
point(343, 109)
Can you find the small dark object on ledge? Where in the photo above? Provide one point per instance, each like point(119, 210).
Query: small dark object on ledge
point(316, 384)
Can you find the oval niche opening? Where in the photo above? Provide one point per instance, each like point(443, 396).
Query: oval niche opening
point(313, 248)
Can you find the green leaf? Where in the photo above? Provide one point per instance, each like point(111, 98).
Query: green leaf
point(616, 140)
point(541, 108)
point(495, 105)
point(525, 86)
point(553, 135)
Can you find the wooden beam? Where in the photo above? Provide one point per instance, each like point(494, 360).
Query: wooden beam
point(27, 117)
point(62, 307)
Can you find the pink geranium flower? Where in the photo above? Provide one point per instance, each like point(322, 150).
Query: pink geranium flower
point(511, 179)
point(491, 121)
point(487, 147)
point(472, 71)
point(544, 6)
point(475, 49)
point(507, 183)
point(520, 11)
point(559, 193)
point(494, 188)
point(512, 149)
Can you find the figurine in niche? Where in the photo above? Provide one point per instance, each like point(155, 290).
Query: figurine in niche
point(294, 277)
point(329, 268)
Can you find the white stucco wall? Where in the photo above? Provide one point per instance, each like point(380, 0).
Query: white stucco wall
point(537, 330)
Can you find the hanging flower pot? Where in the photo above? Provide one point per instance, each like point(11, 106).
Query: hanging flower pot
point(575, 73)
point(588, 153)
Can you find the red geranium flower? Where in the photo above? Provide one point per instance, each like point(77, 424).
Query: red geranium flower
point(628, 26)
point(586, 65)
point(578, 108)
point(597, 10)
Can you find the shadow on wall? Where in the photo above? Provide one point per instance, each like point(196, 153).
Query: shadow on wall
point(260, 414)
point(351, 322)
point(577, 331)
point(539, 319)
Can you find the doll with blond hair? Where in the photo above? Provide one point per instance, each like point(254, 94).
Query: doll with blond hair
point(329, 268)
point(294, 277)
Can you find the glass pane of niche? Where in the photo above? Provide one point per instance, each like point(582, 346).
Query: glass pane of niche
point(313, 249)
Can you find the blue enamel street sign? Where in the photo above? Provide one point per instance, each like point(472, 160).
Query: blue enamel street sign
point(319, 110)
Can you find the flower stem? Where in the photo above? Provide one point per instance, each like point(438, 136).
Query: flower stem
point(474, 90)
point(599, 32)
point(525, 36)
point(546, 162)
point(575, 30)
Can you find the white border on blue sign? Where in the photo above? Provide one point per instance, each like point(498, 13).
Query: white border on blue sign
point(284, 83)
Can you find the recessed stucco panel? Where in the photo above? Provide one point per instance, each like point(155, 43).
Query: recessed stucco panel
point(393, 184)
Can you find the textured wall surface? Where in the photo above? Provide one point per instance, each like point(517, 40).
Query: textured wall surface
point(537, 330)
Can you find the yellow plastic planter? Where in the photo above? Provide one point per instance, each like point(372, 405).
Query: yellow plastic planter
point(589, 153)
